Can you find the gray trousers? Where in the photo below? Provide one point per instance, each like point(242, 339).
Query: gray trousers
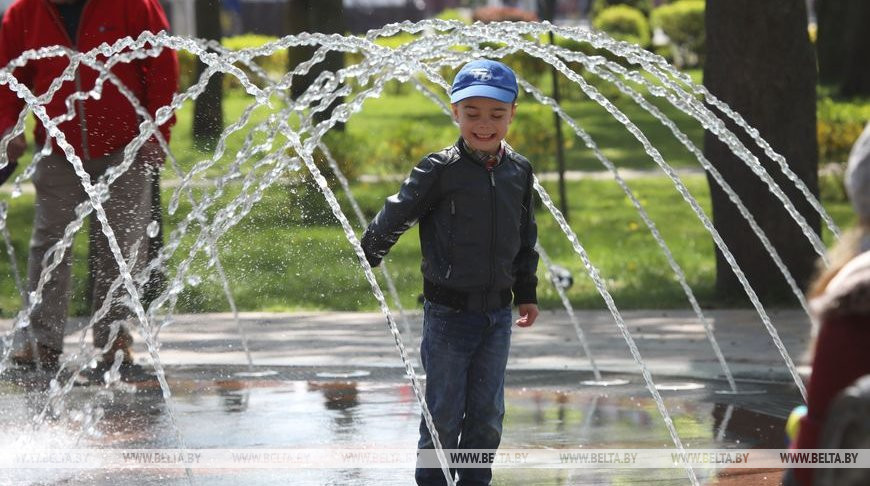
point(58, 192)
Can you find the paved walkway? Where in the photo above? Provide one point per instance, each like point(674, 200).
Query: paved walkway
point(673, 343)
point(201, 352)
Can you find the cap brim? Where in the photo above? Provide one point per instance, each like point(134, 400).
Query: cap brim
point(484, 91)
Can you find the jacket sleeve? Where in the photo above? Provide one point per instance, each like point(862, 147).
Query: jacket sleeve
point(11, 33)
point(402, 210)
point(526, 262)
point(159, 74)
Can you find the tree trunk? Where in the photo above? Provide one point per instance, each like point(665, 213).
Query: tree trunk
point(208, 116)
point(843, 45)
point(323, 16)
point(547, 11)
point(760, 61)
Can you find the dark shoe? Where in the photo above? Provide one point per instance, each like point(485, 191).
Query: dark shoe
point(127, 372)
point(134, 373)
point(48, 358)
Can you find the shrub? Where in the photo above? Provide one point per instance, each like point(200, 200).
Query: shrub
point(683, 23)
point(396, 41)
point(533, 134)
point(529, 68)
point(571, 44)
point(186, 69)
point(403, 148)
point(572, 91)
point(624, 23)
point(497, 14)
point(393, 42)
point(275, 64)
point(599, 6)
point(839, 125)
point(454, 14)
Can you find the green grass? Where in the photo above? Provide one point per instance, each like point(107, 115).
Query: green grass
point(625, 253)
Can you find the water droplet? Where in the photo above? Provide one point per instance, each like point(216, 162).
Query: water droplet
point(153, 229)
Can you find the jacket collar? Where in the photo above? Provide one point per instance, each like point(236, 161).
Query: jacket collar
point(480, 156)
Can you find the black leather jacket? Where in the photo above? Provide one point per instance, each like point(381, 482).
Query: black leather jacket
point(477, 227)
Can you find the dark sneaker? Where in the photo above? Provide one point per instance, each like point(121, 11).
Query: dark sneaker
point(127, 372)
point(134, 373)
point(48, 358)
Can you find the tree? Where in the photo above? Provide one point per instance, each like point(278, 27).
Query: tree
point(208, 116)
point(324, 16)
point(547, 11)
point(843, 46)
point(760, 61)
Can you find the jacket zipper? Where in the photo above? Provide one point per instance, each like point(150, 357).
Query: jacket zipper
point(492, 235)
point(450, 242)
point(80, 104)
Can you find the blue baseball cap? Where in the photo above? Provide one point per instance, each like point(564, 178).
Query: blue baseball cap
point(486, 78)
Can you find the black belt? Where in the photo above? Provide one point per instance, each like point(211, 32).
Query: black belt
point(473, 301)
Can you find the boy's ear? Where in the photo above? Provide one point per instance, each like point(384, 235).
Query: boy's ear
point(513, 110)
point(454, 107)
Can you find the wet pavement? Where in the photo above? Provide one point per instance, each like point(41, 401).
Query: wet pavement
point(673, 343)
point(325, 380)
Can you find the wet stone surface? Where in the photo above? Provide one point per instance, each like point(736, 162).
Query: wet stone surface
point(328, 407)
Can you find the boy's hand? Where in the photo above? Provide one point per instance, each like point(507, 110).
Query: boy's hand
point(528, 314)
point(372, 259)
point(16, 148)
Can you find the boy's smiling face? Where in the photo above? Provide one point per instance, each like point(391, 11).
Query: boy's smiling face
point(483, 122)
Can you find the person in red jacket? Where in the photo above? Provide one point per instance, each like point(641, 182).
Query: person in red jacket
point(840, 303)
point(98, 132)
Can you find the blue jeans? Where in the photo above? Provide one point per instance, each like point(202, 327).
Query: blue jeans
point(464, 354)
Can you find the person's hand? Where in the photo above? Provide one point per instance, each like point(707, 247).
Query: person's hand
point(151, 153)
point(16, 148)
point(528, 314)
point(373, 260)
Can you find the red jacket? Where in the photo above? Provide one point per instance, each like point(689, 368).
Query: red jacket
point(111, 121)
point(841, 349)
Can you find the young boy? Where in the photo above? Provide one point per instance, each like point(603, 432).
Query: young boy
point(477, 235)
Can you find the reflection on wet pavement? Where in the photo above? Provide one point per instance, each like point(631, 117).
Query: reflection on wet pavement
point(296, 408)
